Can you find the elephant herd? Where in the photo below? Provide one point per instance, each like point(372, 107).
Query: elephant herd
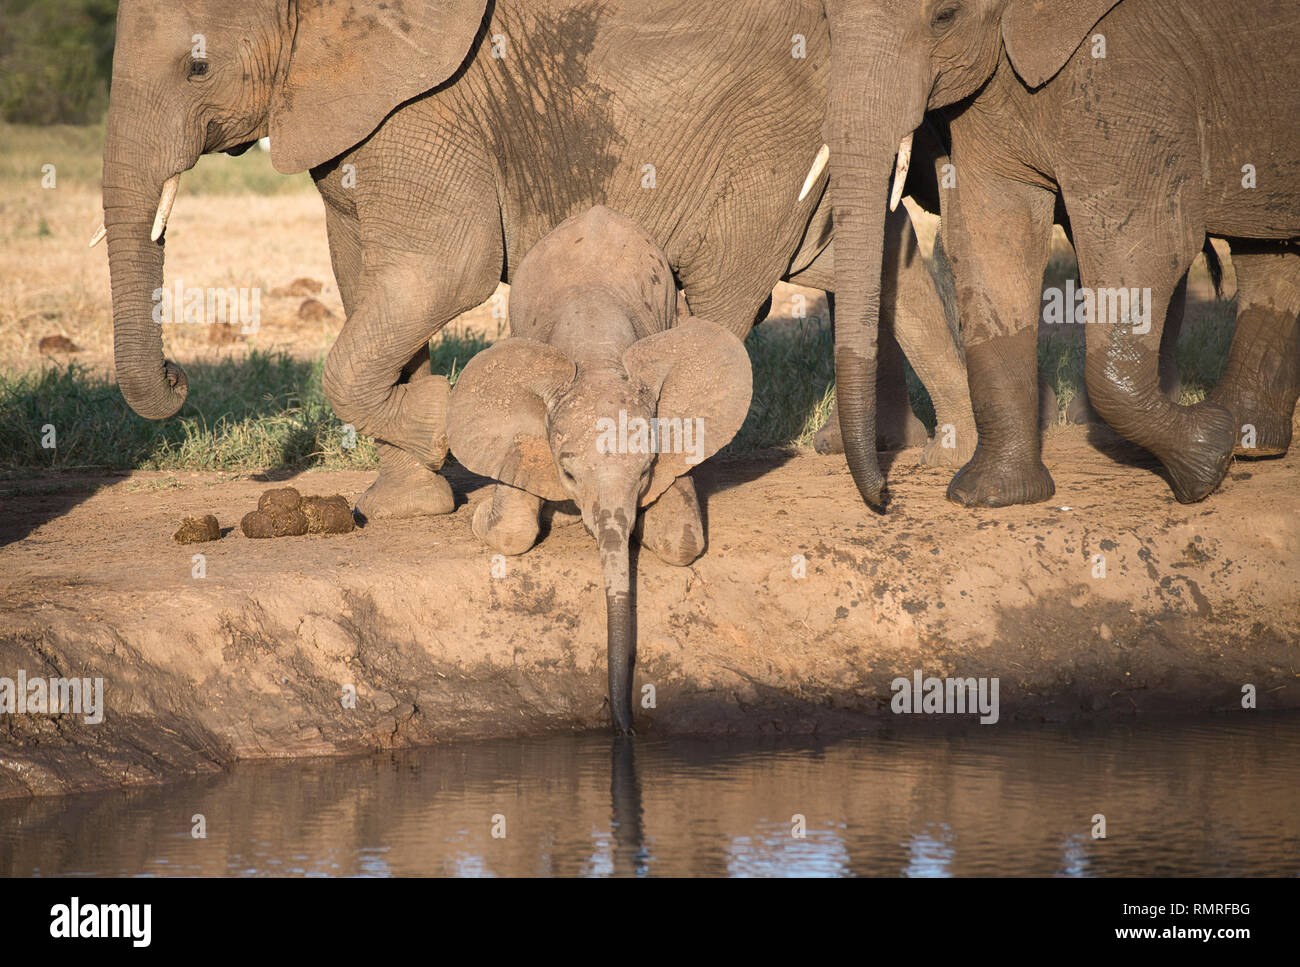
point(643, 172)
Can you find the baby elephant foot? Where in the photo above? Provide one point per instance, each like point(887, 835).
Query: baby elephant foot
point(988, 482)
point(672, 526)
point(405, 488)
point(508, 520)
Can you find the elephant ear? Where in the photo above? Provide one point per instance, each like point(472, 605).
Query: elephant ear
point(496, 416)
point(1042, 35)
point(352, 61)
point(702, 376)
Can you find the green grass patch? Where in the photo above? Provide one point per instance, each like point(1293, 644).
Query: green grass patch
point(259, 412)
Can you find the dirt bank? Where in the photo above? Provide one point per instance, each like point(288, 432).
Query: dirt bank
point(252, 659)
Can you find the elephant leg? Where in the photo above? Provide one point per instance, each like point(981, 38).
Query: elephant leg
point(672, 526)
point(919, 302)
point(1079, 409)
point(508, 520)
point(998, 234)
point(1145, 262)
point(1262, 380)
point(406, 487)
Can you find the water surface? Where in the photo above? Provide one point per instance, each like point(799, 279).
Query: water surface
point(1216, 797)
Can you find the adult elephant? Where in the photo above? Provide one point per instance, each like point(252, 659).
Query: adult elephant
point(447, 137)
point(1154, 120)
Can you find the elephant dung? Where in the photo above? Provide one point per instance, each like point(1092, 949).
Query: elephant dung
point(278, 515)
point(197, 530)
point(328, 515)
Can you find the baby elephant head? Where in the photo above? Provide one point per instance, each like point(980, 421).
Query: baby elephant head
point(611, 436)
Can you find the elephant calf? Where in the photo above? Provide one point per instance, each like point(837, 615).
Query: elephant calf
point(606, 393)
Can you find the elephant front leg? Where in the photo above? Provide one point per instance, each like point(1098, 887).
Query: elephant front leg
point(407, 487)
point(998, 235)
point(377, 379)
point(672, 526)
point(509, 520)
point(1262, 380)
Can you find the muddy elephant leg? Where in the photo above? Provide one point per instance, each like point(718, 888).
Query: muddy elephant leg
point(508, 520)
point(1262, 380)
point(998, 234)
point(672, 526)
point(1079, 409)
point(1122, 370)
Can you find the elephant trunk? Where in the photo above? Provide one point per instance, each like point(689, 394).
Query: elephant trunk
point(871, 109)
point(612, 541)
point(139, 181)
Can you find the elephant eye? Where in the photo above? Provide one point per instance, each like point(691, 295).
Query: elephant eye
point(198, 68)
point(944, 17)
point(568, 477)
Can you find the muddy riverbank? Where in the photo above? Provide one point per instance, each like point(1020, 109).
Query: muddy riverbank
point(804, 610)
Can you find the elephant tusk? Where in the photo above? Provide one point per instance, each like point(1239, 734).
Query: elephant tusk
point(165, 206)
point(900, 172)
point(99, 235)
point(818, 166)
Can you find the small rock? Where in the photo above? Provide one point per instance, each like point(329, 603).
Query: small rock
point(197, 530)
point(223, 335)
point(313, 310)
point(57, 344)
point(300, 286)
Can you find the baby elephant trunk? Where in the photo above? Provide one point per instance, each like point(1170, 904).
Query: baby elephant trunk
point(612, 539)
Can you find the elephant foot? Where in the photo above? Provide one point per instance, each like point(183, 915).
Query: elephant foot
point(828, 439)
point(1261, 431)
point(952, 445)
point(986, 482)
point(672, 526)
point(1079, 411)
point(1197, 467)
point(405, 488)
point(509, 520)
point(894, 431)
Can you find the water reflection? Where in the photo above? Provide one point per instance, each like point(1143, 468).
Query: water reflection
point(1218, 797)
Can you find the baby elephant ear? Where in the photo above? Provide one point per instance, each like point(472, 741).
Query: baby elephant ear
point(702, 376)
point(496, 416)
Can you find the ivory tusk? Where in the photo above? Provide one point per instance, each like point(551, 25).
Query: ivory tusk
point(900, 172)
point(99, 235)
point(165, 206)
point(818, 166)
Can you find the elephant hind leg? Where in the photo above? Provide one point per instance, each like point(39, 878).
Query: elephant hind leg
point(1194, 443)
point(1262, 380)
